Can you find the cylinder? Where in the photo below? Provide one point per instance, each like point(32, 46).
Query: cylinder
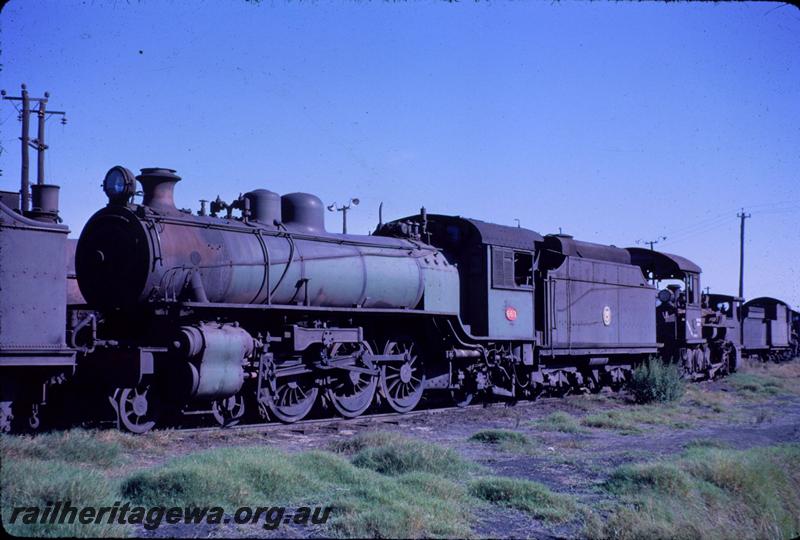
point(215, 353)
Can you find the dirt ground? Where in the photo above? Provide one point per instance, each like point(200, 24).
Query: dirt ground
point(573, 463)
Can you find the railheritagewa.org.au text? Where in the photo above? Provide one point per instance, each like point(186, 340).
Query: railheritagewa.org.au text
point(151, 518)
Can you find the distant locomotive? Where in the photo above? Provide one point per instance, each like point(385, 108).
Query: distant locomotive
point(764, 328)
point(264, 314)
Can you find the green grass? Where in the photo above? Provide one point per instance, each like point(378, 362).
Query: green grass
point(393, 454)
point(706, 443)
point(616, 419)
point(531, 497)
point(366, 439)
point(763, 381)
point(756, 385)
point(499, 436)
point(559, 421)
point(380, 485)
point(586, 402)
point(711, 401)
point(75, 446)
point(708, 492)
point(381, 492)
point(506, 440)
point(37, 483)
point(656, 382)
point(629, 420)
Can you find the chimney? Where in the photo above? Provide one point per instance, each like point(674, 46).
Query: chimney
point(45, 202)
point(159, 187)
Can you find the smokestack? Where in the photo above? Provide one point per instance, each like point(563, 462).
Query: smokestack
point(45, 202)
point(159, 187)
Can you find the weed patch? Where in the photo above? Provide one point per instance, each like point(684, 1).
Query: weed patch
point(616, 419)
point(753, 385)
point(400, 455)
point(37, 483)
point(75, 446)
point(630, 419)
point(367, 439)
point(497, 436)
point(559, 421)
point(504, 439)
point(382, 492)
point(531, 497)
point(656, 381)
point(708, 493)
point(706, 443)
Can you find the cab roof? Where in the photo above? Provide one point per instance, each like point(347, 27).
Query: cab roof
point(662, 265)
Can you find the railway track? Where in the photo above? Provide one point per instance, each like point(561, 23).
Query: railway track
point(361, 421)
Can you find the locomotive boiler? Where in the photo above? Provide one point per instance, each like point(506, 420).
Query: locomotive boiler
point(278, 252)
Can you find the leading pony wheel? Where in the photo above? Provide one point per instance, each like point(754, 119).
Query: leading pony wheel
point(228, 412)
point(461, 397)
point(137, 408)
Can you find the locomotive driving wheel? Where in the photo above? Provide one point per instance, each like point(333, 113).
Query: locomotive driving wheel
point(228, 412)
point(137, 408)
point(351, 390)
point(289, 397)
point(402, 383)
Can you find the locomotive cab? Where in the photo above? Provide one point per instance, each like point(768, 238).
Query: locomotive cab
point(496, 263)
point(690, 333)
point(723, 312)
point(678, 308)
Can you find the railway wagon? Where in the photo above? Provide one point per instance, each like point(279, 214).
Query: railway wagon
point(767, 331)
point(764, 328)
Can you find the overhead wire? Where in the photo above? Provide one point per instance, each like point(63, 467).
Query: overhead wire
point(716, 221)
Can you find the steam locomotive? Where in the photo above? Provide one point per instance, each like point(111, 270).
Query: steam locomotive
point(252, 310)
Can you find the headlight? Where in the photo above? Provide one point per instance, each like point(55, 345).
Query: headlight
point(664, 296)
point(119, 185)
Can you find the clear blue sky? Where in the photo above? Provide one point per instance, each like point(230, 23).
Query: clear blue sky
point(615, 121)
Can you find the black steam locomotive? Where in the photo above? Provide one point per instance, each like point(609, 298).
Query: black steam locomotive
point(251, 309)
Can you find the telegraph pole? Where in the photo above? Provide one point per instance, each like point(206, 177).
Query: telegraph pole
point(38, 143)
point(742, 216)
point(652, 242)
point(40, 146)
point(24, 181)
